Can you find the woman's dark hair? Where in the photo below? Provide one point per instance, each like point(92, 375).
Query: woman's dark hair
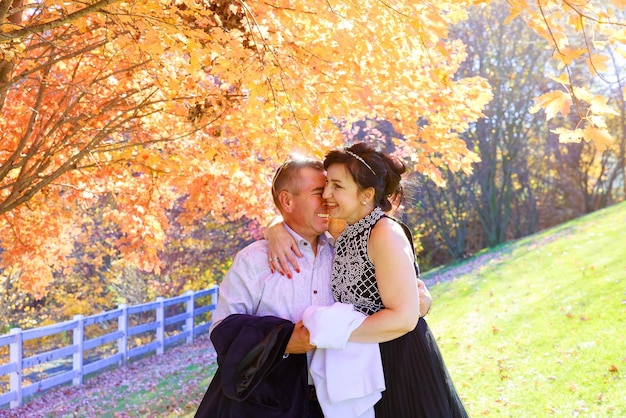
point(371, 168)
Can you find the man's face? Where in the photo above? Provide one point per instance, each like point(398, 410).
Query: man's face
point(309, 216)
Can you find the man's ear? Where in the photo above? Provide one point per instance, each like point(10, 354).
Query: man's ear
point(286, 201)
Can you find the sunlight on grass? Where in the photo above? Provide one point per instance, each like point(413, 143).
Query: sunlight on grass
point(539, 330)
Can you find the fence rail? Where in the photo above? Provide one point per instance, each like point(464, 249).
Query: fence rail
point(169, 326)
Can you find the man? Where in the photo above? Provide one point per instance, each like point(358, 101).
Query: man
point(257, 330)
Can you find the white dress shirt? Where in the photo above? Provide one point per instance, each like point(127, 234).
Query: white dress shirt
point(251, 288)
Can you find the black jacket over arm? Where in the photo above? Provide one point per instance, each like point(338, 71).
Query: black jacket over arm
point(253, 379)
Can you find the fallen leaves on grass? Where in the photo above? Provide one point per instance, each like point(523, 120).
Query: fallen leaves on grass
point(151, 387)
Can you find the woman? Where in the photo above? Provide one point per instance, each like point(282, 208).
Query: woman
point(374, 269)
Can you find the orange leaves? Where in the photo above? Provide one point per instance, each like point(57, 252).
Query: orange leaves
point(597, 63)
point(586, 33)
point(594, 131)
point(152, 43)
point(197, 102)
point(569, 55)
point(516, 8)
point(598, 105)
point(553, 102)
point(8, 27)
point(569, 135)
point(25, 232)
point(601, 137)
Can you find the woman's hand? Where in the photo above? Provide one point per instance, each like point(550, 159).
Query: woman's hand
point(282, 249)
point(426, 300)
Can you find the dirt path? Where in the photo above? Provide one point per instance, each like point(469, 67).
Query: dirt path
point(472, 265)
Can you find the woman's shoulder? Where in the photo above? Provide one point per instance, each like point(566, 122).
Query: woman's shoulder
point(387, 229)
point(388, 242)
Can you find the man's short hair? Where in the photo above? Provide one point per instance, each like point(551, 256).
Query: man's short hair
point(288, 173)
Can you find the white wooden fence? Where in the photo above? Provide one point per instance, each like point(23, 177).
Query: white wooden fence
point(184, 322)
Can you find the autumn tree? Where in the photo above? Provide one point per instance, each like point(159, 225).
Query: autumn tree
point(195, 257)
point(599, 169)
point(587, 160)
point(148, 103)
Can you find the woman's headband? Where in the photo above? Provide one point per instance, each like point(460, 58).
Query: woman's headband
point(361, 160)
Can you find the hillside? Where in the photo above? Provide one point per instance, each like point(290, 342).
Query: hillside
point(533, 328)
point(538, 326)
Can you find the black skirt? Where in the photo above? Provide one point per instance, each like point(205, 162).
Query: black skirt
point(417, 380)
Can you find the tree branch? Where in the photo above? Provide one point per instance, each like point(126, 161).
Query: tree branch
point(53, 24)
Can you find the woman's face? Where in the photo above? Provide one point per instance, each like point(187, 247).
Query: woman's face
point(342, 195)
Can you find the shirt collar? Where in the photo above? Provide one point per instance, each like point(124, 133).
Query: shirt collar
point(325, 238)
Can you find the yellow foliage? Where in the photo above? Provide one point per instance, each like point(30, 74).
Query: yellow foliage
point(601, 137)
point(599, 106)
point(569, 135)
point(597, 62)
point(152, 103)
point(556, 101)
point(568, 55)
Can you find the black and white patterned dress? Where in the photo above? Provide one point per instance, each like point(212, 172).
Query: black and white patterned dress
point(417, 381)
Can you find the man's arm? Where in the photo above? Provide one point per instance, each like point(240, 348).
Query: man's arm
point(240, 290)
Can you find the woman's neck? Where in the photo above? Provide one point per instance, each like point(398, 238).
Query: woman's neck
point(365, 210)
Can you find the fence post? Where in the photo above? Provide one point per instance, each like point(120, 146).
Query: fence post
point(16, 356)
point(122, 326)
point(214, 299)
point(78, 336)
point(160, 331)
point(190, 321)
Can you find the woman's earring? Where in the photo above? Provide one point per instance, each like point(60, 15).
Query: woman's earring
point(364, 203)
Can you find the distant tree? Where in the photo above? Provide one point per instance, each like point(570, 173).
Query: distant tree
point(499, 190)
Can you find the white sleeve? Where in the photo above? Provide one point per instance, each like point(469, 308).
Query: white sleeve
point(240, 291)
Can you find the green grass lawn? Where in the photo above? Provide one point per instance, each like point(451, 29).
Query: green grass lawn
point(539, 330)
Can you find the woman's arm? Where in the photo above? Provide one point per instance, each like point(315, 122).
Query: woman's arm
point(282, 248)
point(392, 255)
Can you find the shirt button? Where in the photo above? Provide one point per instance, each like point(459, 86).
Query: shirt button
point(315, 292)
point(306, 243)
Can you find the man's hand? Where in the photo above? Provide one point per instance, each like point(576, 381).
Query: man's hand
point(299, 342)
point(425, 299)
